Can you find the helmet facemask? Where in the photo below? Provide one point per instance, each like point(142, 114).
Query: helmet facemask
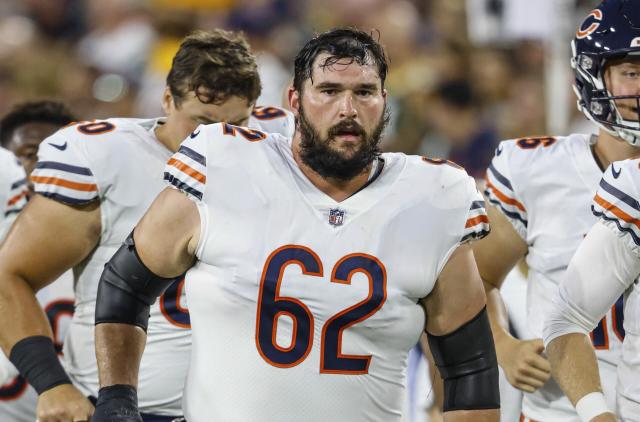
point(595, 99)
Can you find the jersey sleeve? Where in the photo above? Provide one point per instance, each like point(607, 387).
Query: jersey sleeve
point(616, 201)
point(63, 172)
point(500, 190)
point(14, 193)
point(186, 170)
point(18, 188)
point(602, 268)
point(477, 224)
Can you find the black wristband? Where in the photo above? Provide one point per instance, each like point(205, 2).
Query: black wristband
point(36, 359)
point(117, 402)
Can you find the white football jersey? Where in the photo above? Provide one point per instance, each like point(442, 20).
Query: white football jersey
point(544, 187)
point(120, 163)
point(617, 205)
point(303, 308)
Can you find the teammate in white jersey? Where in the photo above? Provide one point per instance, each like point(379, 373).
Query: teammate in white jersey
point(93, 182)
point(21, 131)
point(606, 265)
point(541, 190)
point(311, 263)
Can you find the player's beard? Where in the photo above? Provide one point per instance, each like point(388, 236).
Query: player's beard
point(317, 152)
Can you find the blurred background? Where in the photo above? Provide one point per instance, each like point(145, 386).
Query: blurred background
point(464, 74)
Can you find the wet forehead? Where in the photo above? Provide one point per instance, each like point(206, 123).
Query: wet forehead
point(344, 71)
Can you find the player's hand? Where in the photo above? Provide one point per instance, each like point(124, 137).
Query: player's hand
point(605, 417)
point(523, 364)
point(63, 403)
point(117, 403)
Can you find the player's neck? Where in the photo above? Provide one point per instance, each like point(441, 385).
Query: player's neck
point(166, 138)
point(338, 190)
point(609, 148)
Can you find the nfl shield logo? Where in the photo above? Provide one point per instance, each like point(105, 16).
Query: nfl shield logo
point(336, 217)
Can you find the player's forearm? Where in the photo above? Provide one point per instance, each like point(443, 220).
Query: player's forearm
point(498, 316)
point(119, 349)
point(574, 365)
point(22, 314)
point(488, 415)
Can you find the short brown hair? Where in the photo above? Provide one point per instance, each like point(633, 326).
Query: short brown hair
point(216, 65)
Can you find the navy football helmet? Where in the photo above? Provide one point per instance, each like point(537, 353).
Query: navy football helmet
point(609, 32)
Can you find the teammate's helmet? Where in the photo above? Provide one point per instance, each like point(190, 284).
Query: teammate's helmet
point(611, 31)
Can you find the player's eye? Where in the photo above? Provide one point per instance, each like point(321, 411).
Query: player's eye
point(364, 93)
point(330, 91)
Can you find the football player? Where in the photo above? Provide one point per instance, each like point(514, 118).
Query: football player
point(311, 263)
point(605, 266)
point(93, 182)
point(540, 190)
point(21, 131)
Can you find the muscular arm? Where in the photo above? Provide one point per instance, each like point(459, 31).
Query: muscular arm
point(165, 239)
point(496, 255)
point(457, 298)
point(600, 271)
point(47, 239)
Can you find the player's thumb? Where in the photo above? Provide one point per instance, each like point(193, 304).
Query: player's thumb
point(538, 345)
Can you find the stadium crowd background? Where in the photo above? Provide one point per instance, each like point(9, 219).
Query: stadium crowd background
point(464, 74)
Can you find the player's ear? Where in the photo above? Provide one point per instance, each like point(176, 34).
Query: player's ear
point(294, 100)
point(167, 101)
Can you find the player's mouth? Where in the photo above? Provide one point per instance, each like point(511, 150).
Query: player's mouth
point(347, 132)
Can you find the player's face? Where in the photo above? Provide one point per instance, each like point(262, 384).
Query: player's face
point(185, 118)
point(341, 116)
point(623, 78)
point(25, 140)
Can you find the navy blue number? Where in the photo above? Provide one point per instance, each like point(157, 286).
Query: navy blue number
point(251, 135)
point(271, 305)
point(55, 310)
point(172, 308)
point(13, 389)
point(267, 113)
point(331, 358)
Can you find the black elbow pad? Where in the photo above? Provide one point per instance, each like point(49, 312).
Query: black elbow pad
point(466, 359)
point(128, 288)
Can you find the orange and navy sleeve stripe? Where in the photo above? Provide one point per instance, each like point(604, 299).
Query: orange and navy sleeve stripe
point(186, 171)
point(18, 197)
point(67, 183)
point(615, 203)
point(500, 193)
point(477, 224)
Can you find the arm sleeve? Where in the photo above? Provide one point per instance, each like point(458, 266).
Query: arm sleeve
point(600, 271)
point(63, 172)
point(186, 170)
point(500, 190)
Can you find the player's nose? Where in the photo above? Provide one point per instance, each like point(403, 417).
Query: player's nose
point(347, 109)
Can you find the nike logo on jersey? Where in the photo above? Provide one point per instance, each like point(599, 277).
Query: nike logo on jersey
point(60, 147)
point(194, 134)
point(499, 150)
point(615, 173)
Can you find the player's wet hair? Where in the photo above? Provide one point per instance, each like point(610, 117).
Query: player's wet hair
point(45, 111)
point(215, 65)
point(342, 43)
